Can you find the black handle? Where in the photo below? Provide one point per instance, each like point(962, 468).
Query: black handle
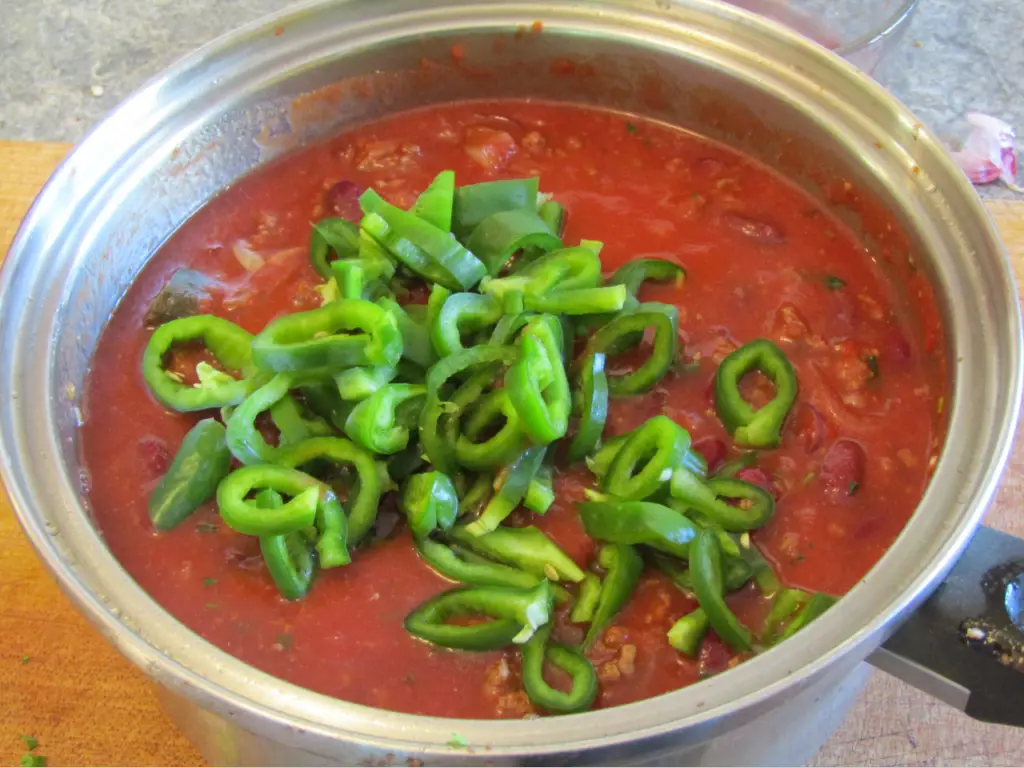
point(965, 645)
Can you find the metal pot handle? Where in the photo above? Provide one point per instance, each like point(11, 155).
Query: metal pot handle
point(965, 645)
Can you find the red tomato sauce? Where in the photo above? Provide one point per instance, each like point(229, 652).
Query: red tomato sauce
point(762, 260)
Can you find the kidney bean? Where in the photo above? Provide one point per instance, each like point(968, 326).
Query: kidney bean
point(155, 455)
point(714, 655)
point(244, 553)
point(708, 165)
point(342, 200)
point(755, 229)
point(843, 467)
point(808, 426)
point(760, 478)
point(897, 348)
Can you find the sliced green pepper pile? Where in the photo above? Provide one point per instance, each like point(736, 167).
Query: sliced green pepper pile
point(460, 406)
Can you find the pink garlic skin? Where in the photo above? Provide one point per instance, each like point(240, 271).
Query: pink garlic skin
point(989, 154)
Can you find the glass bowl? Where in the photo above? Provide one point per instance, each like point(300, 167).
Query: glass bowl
point(861, 31)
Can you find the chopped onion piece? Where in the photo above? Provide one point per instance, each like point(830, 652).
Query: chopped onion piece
point(250, 260)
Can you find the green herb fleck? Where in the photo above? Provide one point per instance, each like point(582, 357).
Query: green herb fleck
point(458, 742)
point(834, 283)
point(212, 606)
point(631, 127)
point(872, 363)
point(29, 759)
point(26, 659)
point(209, 582)
point(853, 488)
point(284, 641)
point(808, 477)
point(409, 679)
point(30, 742)
point(206, 528)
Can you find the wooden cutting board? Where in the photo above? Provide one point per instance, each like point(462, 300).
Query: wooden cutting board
point(61, 683)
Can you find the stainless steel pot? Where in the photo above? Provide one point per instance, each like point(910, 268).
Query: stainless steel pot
point(701, 65)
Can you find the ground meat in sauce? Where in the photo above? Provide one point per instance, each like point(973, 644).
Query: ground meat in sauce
point(853, 463)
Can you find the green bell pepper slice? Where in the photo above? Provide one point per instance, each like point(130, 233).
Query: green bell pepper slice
point(429, 502)
point(517, 478)
point(554, 273)
point(289, 556)
point(737, 571)
point(358, 383)
point(416, 344)
point(626, 331)
point(230, 345)
point(249, 518)
point(585, 607)
point(709, 586)
point(687, 634)
point(785, 604)
point(365, 498)
point(815, 607)
point(639, 522)
point(202, 461)
point(762, 427)
point(381, 423)
point(350, 276)
point(323, 339)
point(541, 493)
point(460, 314)
point(528, 549)
point(475, 202)
point(503, 446)
point(501, 235)
point(425, 249)
point(583, 692)
point(799, 608)
point(657, 447)
point(294, 424)
point(516, 614)
point(756, 505)
point(436, 202)
point(622, 565)
point(338, 235)
point(245, 441)
point(537, 384)
point(482, 361)
point(459, 564)
point(761, 570)
point(635, 273)
point(552, 213)
point(581, 301)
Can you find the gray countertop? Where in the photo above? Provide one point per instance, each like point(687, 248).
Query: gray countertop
point(63, 65)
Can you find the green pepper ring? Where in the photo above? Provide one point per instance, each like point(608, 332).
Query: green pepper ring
point(761, 427)
point(584, 679)
point(230, 345)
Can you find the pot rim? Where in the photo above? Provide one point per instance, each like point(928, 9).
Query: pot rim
point(167, 650)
